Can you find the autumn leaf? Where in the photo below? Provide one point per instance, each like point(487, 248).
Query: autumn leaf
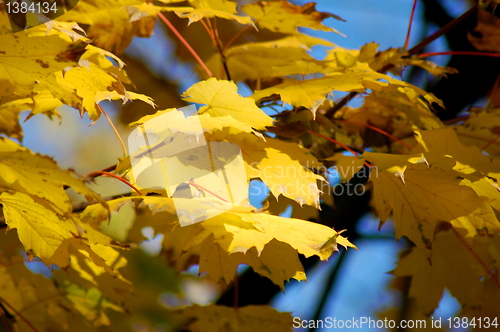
point(39, 176)
point(113, 23)
point(214, 8)
point(221, 98)
point(273, 262)
point(261, 61)
point(24, 59)
point(284, 17)
point(448, 257)
point(426, 196)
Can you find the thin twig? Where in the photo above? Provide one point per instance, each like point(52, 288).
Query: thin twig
point(214, 35)
point(377, 129)
point(426, 41)
point(490, 142)
point(4, 320)
point(426, 55)
point(197, 186)
point(19, 314)
point(236, 36)
point(407, 41)
point(114, 129)
point(190, 49)
point(209, 31)
point(333, 141)
point(108, 174)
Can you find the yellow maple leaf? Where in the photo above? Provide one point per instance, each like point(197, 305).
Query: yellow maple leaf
point(431, 276)
point(427, 195)
point(24, 59)
point(441, 146)
point(273, 262)
point(113, 23)
point(48, 235)
point(39, 176)
point(43, 302)
point(482, 221)
point(484, 139)
point(393, 164)
point(221, 98)
point(284, 17)
point(212, 8)
point(208, 122)
point(260, 61)
point(9, 123)
point(283, 167)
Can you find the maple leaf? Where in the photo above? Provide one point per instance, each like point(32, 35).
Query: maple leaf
point(283, 167)
point(240, 236)
point(40, 101)
point(49, 236)
point(35, 300)
point(448, 257)
point(396, 57)
point(484, 139)
point(442, 144)
point(63, 74)
point(482, 118)
point(221, 98)
point(312, 93)
point(483, 220)
point(24, 59)
point(273, 262)
point(249, 318)
point(39, 176)
point(9, 123)
point(113, 23)
point(260, 61)
point(284, 17)
point(214, 8)
point(425, 196)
